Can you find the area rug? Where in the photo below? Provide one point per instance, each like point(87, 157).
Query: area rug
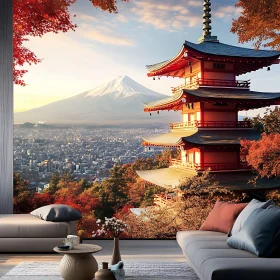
point(133, 271)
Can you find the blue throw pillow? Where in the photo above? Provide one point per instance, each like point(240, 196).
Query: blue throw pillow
point(245, 213)
point(258, 232)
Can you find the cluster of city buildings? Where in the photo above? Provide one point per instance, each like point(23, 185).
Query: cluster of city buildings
point(82, 152)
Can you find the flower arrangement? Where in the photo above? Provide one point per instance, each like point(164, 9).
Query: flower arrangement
point(112, 227)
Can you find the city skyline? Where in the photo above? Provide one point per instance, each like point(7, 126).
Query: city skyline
point(105, 46)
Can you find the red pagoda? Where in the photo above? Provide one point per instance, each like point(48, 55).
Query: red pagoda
point(209, 101)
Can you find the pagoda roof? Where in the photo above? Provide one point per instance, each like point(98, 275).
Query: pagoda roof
point(231, 94)
point(171, 139)
point(215, 51)
point(201, 137)
point(236, 180)
point(221, 49)
point(245, 98)
point(166, 177)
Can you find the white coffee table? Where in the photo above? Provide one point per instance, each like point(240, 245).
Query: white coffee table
point(78, 263)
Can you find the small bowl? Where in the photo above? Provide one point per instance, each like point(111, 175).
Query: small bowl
point(63, 247)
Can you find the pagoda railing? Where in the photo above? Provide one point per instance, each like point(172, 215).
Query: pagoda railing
point(211, 124)
point(180, 125)
point(217, 83)
point(221, 166)
point(208, 165)
point(162, 200)
point(178, 162)
point(224, 83)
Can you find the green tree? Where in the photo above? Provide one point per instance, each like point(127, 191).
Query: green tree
point(20, 185)
point(113, 193)
point(22, 195)
point(85, 184)
point(53, 185)
point(269, 123)
point(116, 187)
point(148, 199)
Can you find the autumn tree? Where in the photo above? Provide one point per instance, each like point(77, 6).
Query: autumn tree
point(259, 23)
point(21, 195)
point(269, 123)
point(36, 18)
point(187, 209)
point(263, 155)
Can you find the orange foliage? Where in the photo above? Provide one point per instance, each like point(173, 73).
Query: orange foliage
point(263, 155)
point(41, 199)
point(73, 195)
point(259, 23)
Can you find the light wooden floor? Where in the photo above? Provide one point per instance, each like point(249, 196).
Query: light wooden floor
point(132, 250)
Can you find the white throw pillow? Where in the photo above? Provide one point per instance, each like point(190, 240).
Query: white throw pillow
point(245, 213)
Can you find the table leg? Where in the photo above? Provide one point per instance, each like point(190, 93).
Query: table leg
point(78, 267)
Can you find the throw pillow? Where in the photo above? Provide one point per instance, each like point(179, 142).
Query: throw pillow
point(258, 232)
point(57, 213)
point(254, 204)
point(222, 217)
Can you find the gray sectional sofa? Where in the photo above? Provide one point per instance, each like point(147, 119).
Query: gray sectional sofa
point(25, 233)
point(212, 259)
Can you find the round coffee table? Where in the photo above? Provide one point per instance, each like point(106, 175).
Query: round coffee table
point(78, 263)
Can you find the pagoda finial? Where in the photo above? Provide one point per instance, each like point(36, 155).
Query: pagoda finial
point(207, 24)
point(207, 18)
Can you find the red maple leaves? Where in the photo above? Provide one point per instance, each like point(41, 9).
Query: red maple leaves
point(34, 18)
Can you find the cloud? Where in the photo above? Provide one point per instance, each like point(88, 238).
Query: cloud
point(121, 18)
point(166, 16)
point(85, 17)
point(195, 3)
point(228, 12)
point(105, 35)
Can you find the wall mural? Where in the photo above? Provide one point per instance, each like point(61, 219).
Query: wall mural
point(134, 162)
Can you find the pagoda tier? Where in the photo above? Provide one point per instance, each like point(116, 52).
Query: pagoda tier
point(242, 100)
point(216, 150)
point(195, 137)
point(216, 57)
point(171, 178)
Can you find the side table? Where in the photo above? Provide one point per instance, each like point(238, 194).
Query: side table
point(78, 263)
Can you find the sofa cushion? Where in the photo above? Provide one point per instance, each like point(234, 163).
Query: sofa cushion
point(57, 213)
point(184, 238)
point(258, 233)
point(28, 226)
point(240, 268)
point(245, 213)
point(223, 216)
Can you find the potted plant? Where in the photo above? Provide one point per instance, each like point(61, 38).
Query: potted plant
point(112, 227)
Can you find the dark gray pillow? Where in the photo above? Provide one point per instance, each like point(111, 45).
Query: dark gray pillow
point(258, 232)
point(57, 213)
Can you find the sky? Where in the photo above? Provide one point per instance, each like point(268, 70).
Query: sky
point(106, 45)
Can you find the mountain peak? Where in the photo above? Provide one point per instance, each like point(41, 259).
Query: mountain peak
point(119, 101)
point(120, 87)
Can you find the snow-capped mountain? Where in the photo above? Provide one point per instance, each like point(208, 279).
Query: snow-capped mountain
point(117, 102)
